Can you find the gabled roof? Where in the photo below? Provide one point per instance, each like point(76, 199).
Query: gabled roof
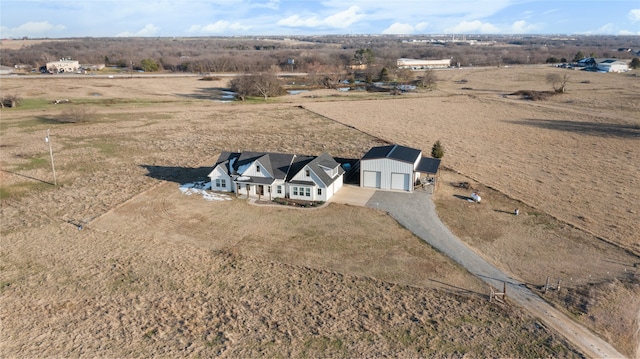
point(276, 164)
point(326, 161)
point(428, 165)
point(396, 152)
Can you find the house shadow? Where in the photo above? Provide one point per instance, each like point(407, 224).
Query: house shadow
point(180, 175)
point(584, 127)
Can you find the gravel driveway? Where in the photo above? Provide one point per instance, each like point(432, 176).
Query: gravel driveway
point(416, 212)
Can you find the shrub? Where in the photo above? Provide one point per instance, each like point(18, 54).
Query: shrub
point(437, 151)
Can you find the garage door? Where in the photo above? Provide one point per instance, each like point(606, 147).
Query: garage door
point(400, 181)
point(371, 179)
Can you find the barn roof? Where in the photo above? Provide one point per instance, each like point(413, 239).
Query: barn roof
point(396, 152)
point(428, 165)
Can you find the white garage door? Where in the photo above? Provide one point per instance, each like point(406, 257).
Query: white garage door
point(371, 179)
point(400, 181)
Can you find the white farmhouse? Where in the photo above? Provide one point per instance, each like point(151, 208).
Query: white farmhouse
point(395, 167)
point(418, 64)
point(274, 175)
point(63, 65)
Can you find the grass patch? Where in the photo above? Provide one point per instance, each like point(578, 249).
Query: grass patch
point(18, 190)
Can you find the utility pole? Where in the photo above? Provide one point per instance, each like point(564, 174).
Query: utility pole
point(53, 167)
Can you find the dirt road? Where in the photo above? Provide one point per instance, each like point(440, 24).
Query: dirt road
point(416, 212)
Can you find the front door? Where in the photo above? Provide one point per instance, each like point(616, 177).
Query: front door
point(260, 190)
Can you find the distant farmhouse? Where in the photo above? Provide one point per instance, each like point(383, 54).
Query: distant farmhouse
point(603, 64)
point(417, 64)
point(63, 65)
point(277, 175)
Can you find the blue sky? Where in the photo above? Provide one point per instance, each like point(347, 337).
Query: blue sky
point(109, 18)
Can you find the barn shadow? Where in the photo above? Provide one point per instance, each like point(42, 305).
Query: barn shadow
point(180, 175)
point(584, 128)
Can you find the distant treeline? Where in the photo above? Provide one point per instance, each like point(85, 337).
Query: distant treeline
point(320, 54)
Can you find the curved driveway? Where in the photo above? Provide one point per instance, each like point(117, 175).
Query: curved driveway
point(416, 212)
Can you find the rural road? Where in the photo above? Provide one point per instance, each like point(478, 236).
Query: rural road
point(416, 212)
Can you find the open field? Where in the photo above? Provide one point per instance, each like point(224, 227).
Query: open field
point(158, 273)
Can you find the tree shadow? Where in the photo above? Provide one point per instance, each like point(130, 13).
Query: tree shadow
point(503, 211)
point(211, 93)
point(180, 175)
point(584, 127)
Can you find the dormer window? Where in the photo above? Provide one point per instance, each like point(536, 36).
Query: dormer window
point(257, 168)
point(306, 173)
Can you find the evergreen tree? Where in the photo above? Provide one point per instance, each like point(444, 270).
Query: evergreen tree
point(437, 151)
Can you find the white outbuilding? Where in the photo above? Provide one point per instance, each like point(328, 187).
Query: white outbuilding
point(395, 167)
point(612, 65)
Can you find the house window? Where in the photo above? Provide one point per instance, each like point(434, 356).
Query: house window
point(223, 183)
point(306, 173)
point(319, 191)
point(269, 189)
point(218, 182)
point(258, 169)
point(308, 192)
point(295, 191)
point(279, 189)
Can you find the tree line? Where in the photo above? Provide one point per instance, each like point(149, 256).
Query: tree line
point(312, 54)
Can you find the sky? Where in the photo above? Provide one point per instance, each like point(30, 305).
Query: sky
point(188, 18)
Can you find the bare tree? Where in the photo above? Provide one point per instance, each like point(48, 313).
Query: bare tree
point(257, 84)
point(9, 100)
point(427, 80)
point(558, 82)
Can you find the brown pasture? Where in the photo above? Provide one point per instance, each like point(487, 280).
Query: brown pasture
point(158, 273)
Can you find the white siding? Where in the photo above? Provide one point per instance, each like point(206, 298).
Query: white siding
point(252, 171)
point(386, 167)
point(219, 173)
point(302, 176)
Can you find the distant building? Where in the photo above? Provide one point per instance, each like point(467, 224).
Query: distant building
point(612, 65)
point(603, 65)
point(418, 64)
point(6, 70)
point(63, 65)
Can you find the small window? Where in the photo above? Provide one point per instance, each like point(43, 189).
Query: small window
point(279, 189)
point(218, 182)
point(223, 183)
point(258, 169)
point(295, 191)
point(306, 173)
point(269, 189)
point(308, 192)
point(319, 191)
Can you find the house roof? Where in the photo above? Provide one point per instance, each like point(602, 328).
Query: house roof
point(396, 152)
point(428, 165)
point(326, 161)
point(276, 164)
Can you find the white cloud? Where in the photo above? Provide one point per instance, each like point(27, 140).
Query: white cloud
point(338, 20)
point(628, 33)
point(220, 27)
point(43, 28)
point(422, 26)
point(473, 26)
point(522, 27)
point(399, 29)
point(634, 15)
point(148, 30)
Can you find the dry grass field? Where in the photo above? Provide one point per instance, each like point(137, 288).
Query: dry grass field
point(158, 273)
